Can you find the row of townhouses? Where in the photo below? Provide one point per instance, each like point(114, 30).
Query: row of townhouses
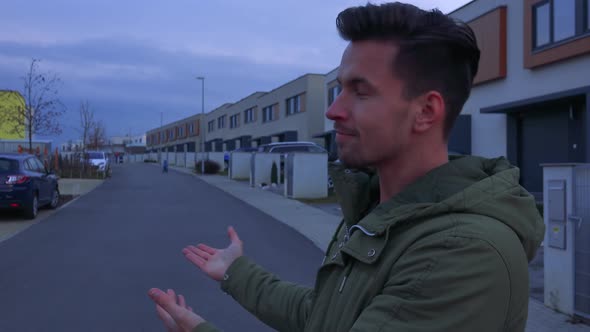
point(529, 102)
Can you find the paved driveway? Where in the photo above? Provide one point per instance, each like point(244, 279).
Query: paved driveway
point(88, 267)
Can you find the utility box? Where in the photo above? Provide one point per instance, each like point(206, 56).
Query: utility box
point(557, 214)
point(566, 194)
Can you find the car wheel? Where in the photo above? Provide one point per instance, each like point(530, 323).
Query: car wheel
point(54, 199)
point(32, 208)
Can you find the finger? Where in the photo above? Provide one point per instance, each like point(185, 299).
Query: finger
point(198, 261)
point(163, 314)
point(181, 301)
point(199, 252)
point(207, 249)
point(171, 293)
point(233, 235)
point(166, 301)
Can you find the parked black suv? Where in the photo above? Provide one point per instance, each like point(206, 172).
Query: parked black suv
point(26, 184)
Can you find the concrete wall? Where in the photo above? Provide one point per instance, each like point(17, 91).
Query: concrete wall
point(262, 167)
point(489, 131)
point(190, 159)
point(239, 166)
point(309, 175)
point(180, 159)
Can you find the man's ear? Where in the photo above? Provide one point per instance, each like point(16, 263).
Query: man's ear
point(430, 111)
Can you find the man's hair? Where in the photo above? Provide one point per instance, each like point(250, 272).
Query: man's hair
point(435, 52)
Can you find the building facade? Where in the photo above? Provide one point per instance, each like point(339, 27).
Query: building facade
point(292, 112)
point(530, 100)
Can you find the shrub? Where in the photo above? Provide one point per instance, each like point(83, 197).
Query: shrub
point(274, 173)
point(211, 167)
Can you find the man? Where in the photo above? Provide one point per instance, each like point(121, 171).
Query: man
point(426, 244)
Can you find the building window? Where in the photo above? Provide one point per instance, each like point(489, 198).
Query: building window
point(542, 25)
point(249, 115)
point(268, 113)
point(557, 20)
point(191, 129)
point(333, 92)
point(293, 105)
point(233, 121)
point(221, 122)
point(211, 125)
point(180, 131)
point(564, 19)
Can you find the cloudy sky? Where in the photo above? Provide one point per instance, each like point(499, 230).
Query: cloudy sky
point(134, 59)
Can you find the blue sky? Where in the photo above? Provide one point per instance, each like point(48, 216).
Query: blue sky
point(134, 59)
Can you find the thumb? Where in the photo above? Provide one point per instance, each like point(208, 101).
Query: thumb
point(233, 235)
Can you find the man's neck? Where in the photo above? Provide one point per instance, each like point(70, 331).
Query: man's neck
point(396, 174)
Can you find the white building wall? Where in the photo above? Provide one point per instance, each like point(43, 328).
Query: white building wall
point(489, 130)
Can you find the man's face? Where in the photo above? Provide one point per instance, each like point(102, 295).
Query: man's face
point(373, 121)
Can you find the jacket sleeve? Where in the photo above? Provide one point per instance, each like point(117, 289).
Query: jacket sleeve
point(282, 305)
point(456, 284)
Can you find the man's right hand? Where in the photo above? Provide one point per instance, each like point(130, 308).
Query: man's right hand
point(214, 262)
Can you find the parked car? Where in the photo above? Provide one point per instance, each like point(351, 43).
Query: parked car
point(26, 184)
point(98, 159)
point(286, 147)
point(242, 149)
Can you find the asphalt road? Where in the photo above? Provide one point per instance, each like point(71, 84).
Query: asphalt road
point(88, 267)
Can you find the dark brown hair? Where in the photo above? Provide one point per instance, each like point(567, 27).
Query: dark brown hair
point(435, 51)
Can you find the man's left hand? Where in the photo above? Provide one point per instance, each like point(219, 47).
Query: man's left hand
point(173, 311)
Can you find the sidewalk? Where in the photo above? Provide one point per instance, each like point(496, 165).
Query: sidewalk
point(319, 226)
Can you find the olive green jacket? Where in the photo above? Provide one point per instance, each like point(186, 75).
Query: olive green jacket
point(449, 253)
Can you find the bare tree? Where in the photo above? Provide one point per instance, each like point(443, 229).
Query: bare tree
point(87, 124)
point(97, 136)
point(42, 108)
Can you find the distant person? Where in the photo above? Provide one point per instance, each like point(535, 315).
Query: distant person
point(165, 166)
point(427, 243)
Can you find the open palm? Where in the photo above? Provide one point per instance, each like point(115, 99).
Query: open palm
point(215, 262)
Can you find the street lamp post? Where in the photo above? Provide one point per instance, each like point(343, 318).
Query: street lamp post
point(202, 124)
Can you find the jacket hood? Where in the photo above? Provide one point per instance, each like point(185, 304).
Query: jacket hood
point(466, 184)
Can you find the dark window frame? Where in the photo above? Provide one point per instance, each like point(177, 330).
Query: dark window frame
point(249, 115)
point(296, 105)
point(582, 24)
point(331, 95)
point(268, 114)
point(233, 121)
point(221, 122)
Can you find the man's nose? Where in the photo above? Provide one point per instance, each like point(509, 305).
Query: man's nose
point(337, 111)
